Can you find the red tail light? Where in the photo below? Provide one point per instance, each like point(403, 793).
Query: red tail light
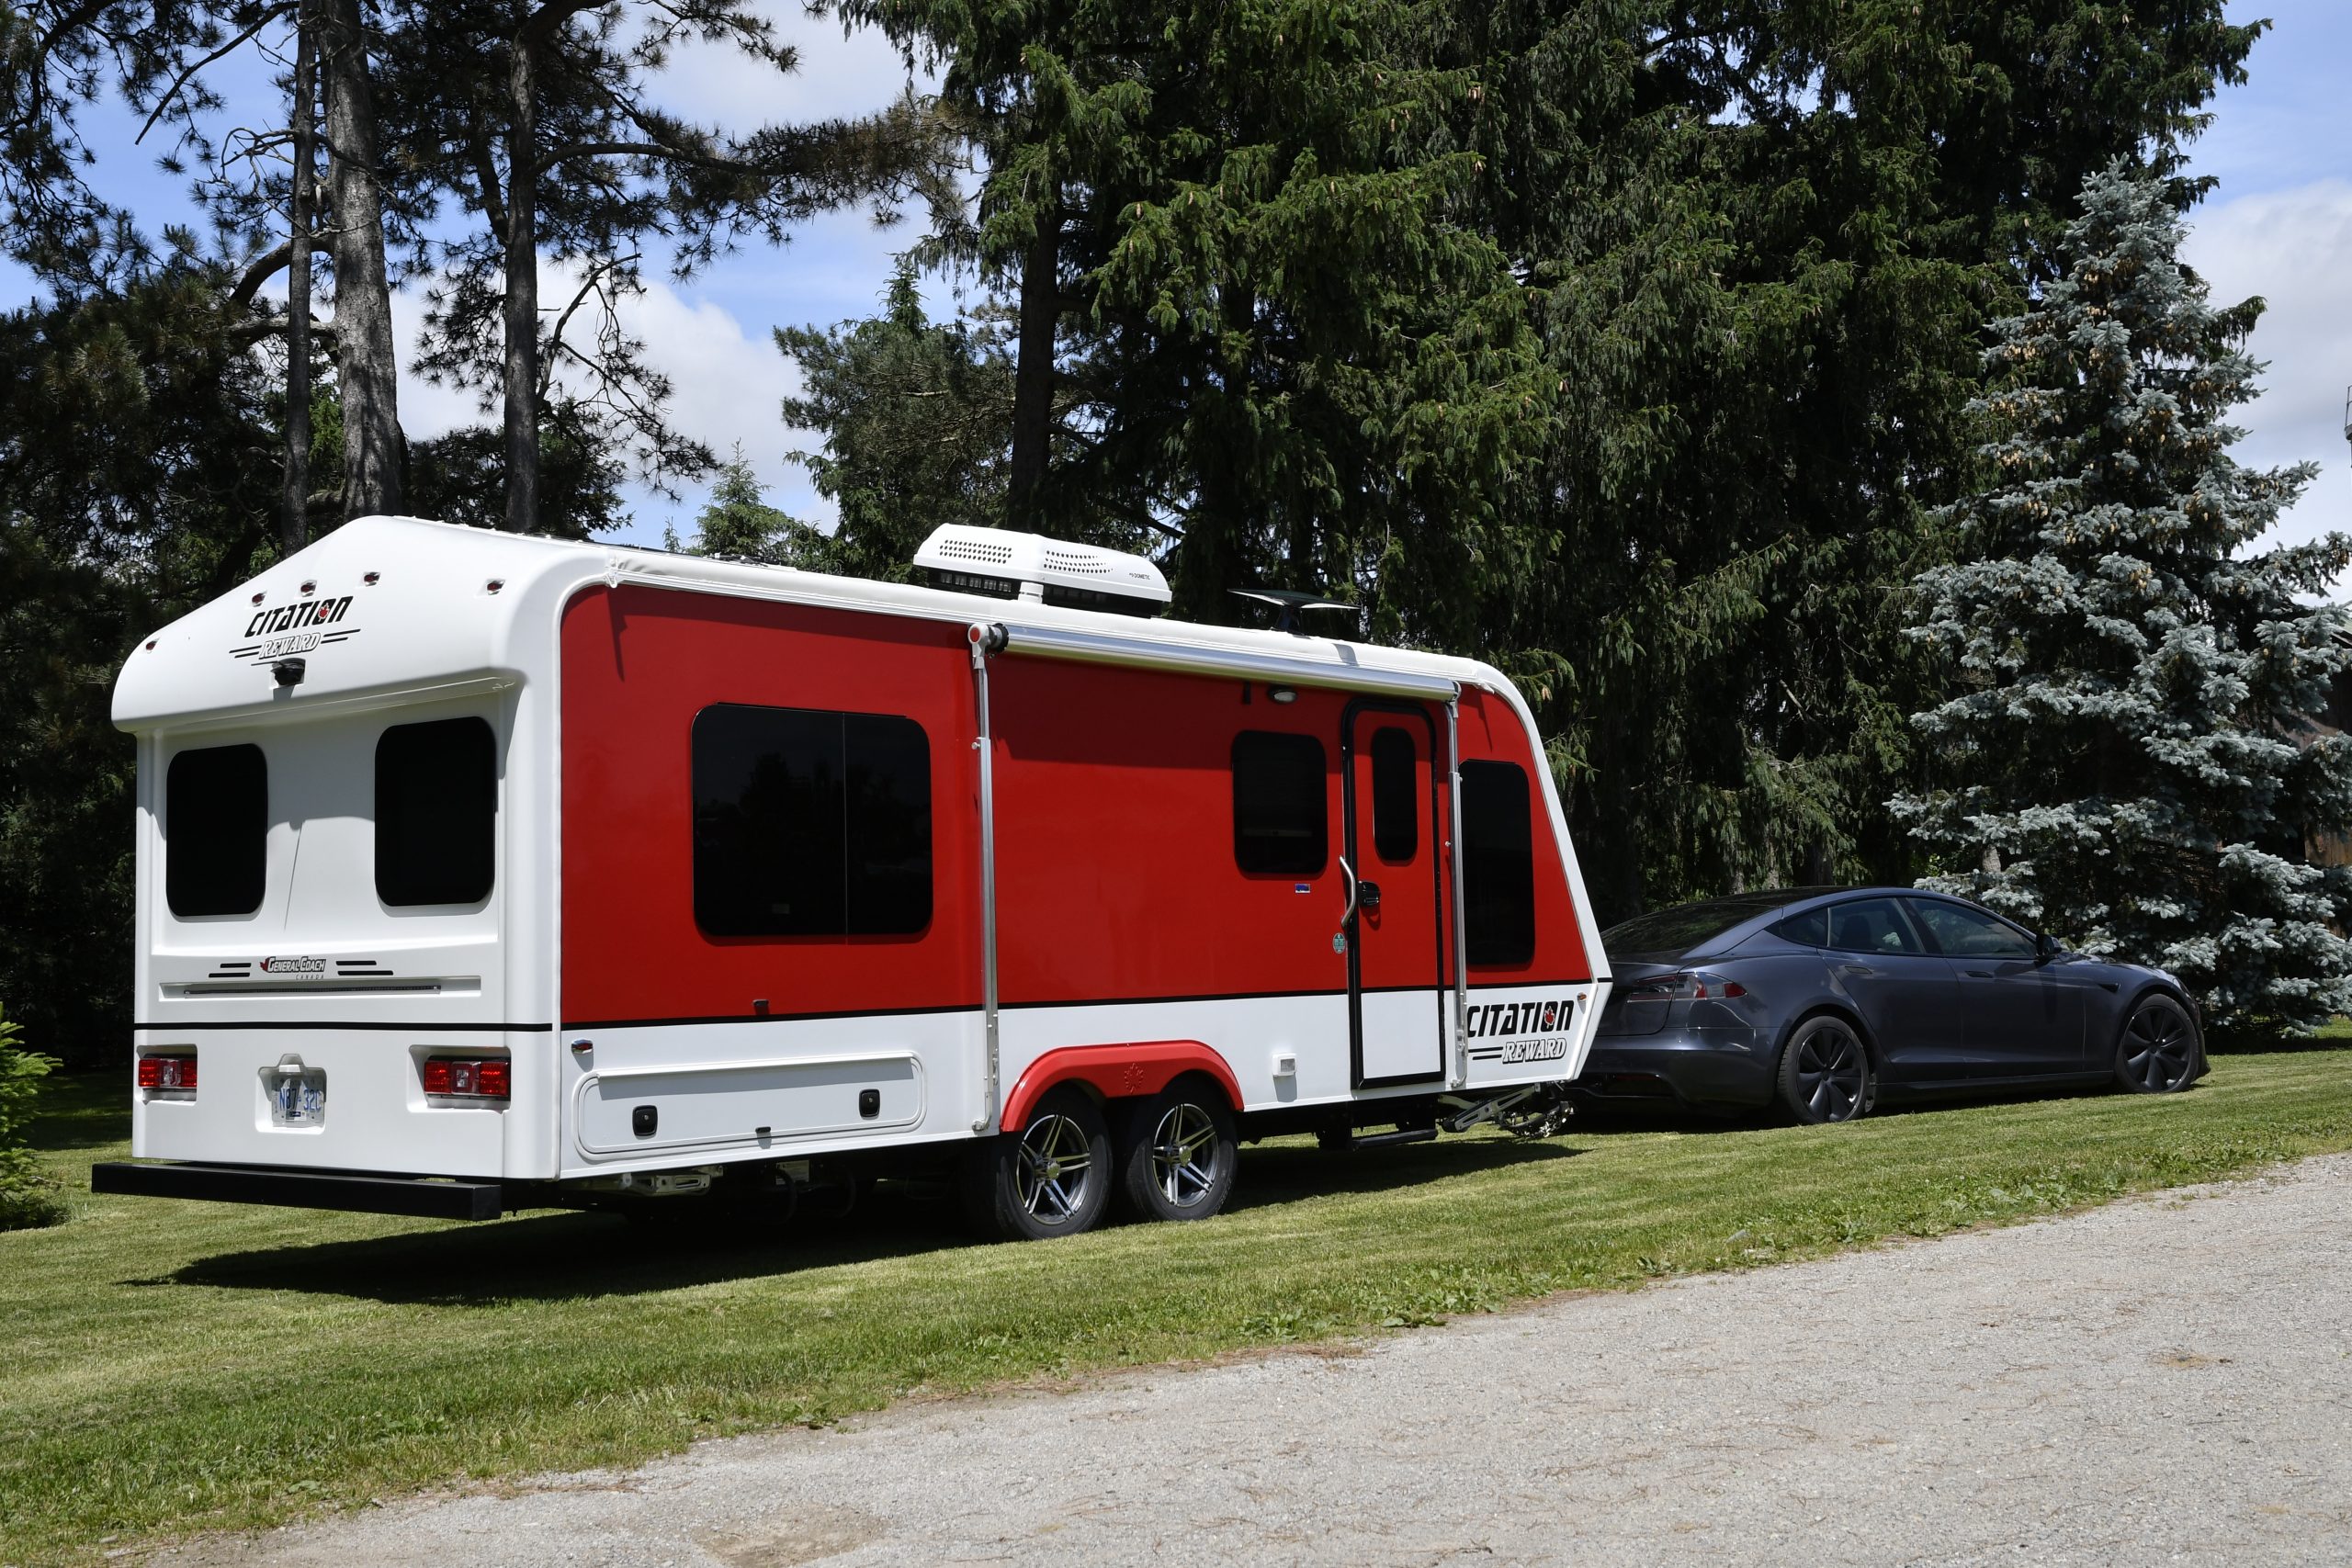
point(467, 1077)
point(168, 1072)
point(1685, 987)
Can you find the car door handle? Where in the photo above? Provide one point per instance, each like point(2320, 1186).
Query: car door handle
point(1978, 974)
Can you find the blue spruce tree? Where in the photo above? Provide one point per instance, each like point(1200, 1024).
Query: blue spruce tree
point(2127, 760)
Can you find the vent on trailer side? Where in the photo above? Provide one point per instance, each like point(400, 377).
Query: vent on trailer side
point(1005, 565)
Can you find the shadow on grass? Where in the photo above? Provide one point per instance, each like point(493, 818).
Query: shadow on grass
point(570, 1257)
point(83, 1111)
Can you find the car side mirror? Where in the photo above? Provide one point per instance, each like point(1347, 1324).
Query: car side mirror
point(2045, 946)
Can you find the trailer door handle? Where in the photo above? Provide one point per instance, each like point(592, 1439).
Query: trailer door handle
point(1348, 915)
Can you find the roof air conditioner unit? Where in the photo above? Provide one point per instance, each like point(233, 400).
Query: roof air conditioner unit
point(1005, 565)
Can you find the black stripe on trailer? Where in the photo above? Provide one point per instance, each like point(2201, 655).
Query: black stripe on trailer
point(417, 1196)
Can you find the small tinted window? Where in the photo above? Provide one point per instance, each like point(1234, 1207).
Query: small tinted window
point(1871, 925)
point(1395, 802)
point(1964, 932)
point(1498, 863)
point(216, 830)
point(1808, 930)
point(809, 822)
point(436, 813)
point(1281, 822)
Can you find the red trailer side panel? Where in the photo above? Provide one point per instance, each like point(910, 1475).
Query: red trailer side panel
point(639, 665)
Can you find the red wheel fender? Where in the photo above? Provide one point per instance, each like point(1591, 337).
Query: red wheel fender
point(1119, 1072)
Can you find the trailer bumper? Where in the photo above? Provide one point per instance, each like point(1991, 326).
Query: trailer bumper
point(424, 1197)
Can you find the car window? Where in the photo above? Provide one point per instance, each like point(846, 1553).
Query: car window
point(1872, 925)
point(1964, 932)
point(1808, 930)
point(1685, 926)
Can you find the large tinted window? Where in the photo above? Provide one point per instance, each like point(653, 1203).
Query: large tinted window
point(810, 823)
point(1498, 863)
point(1282, 823)
point(1396, 797)
point(436, 812)
point(1964, 932)
point(216, 830)
point(1685, 926)
point(1808, 930)
point(1872, 925)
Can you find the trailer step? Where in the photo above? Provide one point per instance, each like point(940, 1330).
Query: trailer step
point(1404, 1135)
point(417, 1196)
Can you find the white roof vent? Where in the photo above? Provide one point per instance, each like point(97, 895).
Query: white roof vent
point(1006, 565)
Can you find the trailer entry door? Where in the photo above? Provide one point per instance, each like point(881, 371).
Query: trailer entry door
point(1397, 970)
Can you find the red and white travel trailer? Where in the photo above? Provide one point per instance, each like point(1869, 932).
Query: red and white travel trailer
point(478, 872)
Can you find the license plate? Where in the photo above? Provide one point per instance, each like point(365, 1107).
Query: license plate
point(299, 1100)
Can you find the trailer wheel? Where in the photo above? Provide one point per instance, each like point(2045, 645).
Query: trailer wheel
point(1052, 1177)
point(1177, 1158)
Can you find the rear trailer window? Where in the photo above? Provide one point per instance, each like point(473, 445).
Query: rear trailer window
point(436, 813)
point(1281, 822)
point(216, 830)
point(1396, 811)
point(1498, 863)
point(809, 822)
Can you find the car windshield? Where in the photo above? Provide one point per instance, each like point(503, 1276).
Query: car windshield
point(1684, 927)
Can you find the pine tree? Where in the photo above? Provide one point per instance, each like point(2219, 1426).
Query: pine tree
point(740, 524)
point(2127, 760)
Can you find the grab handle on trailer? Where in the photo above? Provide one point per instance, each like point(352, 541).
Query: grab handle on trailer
point(1347, 916)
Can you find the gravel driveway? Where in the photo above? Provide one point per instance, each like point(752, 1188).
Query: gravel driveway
point(2165, 1379)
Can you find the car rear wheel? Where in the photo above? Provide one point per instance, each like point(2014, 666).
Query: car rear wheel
point(1825, 1072)
point(1178, 1157)
point(2158, 1052)
point(1052, 1177)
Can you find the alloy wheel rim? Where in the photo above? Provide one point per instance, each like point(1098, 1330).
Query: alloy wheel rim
point(1184, 1156)
point(1830, 1073)
point(2156, 1049)
point(1055, 1165)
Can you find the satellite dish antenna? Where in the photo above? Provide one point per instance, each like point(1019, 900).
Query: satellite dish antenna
point(1289, 604)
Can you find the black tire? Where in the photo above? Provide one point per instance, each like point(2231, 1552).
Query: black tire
point(1825, 1072)
point(1178, 1153)
point(2159, 1052)
point(1052, 1177)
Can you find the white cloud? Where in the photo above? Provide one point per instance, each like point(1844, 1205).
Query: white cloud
point(2294, 249)
point(726, 387)
point(839, 76)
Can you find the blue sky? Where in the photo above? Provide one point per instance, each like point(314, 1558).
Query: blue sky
point(2279, 225)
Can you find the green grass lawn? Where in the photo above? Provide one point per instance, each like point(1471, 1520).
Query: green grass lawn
point(175, 1367)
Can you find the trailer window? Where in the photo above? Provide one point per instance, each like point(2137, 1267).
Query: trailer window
point(1395, 805)
point(810, 823)
point(1498, 865)
point(1281, 822)
point(216, 830)
point(436, 813)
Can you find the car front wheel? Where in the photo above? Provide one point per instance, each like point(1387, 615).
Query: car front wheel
point(2158, 1052)
point(1825, 1074)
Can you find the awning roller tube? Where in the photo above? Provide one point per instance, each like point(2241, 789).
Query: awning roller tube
point(1057, 642)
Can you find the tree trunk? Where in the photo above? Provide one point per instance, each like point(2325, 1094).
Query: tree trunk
point(522, 322)
point(1032, 385)
point(294, 525)
point(366, 368)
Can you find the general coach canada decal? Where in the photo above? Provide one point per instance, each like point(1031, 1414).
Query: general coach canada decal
point(295, 628)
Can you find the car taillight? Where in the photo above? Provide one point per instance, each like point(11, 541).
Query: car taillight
point(1685, 987)
point(467, 1077)
point(168, 1072)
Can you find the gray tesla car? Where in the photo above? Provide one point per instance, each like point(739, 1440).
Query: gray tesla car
point(1827, 999)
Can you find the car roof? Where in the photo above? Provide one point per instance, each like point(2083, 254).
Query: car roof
point(1771, 907)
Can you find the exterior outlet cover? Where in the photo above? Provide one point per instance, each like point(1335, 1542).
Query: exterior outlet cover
point(1285, 1063)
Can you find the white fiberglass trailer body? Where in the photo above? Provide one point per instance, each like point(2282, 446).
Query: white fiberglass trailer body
point(550, 870)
